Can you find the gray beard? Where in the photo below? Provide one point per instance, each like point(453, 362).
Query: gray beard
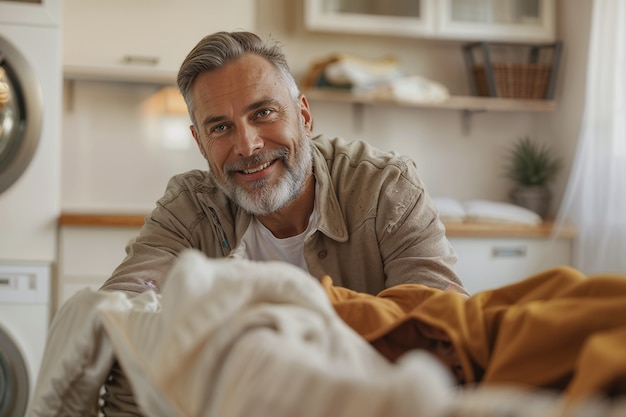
point(264, 199)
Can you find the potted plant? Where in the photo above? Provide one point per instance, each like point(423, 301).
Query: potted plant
point(532, 167)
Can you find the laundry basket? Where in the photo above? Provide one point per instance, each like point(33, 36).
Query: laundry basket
point(526, 80)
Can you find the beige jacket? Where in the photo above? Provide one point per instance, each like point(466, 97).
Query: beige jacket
point(378, 226)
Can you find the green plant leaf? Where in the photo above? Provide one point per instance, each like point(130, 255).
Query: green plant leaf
point(530, 163)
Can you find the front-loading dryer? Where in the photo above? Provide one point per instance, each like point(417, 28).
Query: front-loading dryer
point(30, 62)
point(31, 82)
point(30, 129)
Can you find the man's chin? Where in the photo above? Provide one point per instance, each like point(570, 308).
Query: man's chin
point(249, 200)
point(260, 204)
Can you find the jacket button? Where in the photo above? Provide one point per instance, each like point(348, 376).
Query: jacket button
point(322, 254)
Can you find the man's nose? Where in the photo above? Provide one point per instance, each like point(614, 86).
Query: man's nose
point(247, 141)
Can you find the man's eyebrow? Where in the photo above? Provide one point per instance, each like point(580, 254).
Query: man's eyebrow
point(213, 119)
point(261, 103)
point(253, 106)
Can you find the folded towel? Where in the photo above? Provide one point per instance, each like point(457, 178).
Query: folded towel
point(484, 211)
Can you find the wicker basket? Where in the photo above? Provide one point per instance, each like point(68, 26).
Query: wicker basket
point(528, 81)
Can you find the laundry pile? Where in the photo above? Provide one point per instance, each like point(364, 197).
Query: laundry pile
point(382, 78)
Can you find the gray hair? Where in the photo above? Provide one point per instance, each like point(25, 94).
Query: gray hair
point(216, 50)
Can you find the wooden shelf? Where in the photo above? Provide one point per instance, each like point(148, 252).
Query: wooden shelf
point(466, 103)
point(119, 74)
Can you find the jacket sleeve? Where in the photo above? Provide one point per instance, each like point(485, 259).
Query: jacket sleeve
point(179, 221)
point(148, 258)
point(411, 236)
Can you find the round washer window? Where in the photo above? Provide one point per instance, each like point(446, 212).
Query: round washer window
point(13, 379)
point(20, 114)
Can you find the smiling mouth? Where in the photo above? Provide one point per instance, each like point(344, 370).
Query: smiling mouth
point(257, 169)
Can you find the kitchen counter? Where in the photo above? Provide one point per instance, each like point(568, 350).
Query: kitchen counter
point(91, 245)
point(472, 230)
point(101, 220)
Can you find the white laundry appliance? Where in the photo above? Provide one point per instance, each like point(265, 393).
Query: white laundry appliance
point(30, 119)
point(24, 316)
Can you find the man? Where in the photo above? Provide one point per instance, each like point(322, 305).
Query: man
point(274, 192)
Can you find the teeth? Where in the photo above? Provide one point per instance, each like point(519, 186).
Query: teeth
point(252, 171)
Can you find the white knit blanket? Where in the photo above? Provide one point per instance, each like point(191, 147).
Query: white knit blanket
point(228, 338)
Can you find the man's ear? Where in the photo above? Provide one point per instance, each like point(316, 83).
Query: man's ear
point(195, 135)
point(307, 116)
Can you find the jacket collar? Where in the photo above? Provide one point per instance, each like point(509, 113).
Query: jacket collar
point(331, 220)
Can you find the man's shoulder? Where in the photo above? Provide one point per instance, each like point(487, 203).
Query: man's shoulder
point(190, 185)
point(338, 145)
point(195, 179)
point(357, 152)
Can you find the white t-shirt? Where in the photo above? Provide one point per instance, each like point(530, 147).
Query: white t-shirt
point(262, 245)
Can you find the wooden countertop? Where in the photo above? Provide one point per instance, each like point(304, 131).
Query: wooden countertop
point(544, 230)
point(465, 230)
point(101, 220)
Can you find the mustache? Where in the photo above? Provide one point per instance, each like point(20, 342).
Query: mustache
point(256, 160)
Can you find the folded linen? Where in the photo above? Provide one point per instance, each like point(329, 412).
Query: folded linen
point(484, 211)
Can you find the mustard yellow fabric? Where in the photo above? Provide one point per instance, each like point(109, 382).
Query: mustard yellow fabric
point(557, 330)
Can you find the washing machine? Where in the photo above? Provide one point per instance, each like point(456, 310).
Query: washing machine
point(30, 120)
point(24, 317)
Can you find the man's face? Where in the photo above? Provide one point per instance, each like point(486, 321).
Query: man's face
point(253, 133)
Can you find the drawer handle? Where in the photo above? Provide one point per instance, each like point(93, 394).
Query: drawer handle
point(140, 60)
point(510, 252)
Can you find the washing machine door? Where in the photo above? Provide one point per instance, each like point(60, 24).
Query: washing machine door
point(21, 106)
point(13, 378)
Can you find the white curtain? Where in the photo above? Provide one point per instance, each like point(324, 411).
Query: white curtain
point(595, 198)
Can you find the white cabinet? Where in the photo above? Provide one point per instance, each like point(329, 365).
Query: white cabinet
point(478, 20)
point(88, 256)
point(486, 263)
point(143, 39)
point(497, 20)
point(384, 17)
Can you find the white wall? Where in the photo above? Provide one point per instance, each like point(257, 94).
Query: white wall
point(564, 124)
point(113, 159)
